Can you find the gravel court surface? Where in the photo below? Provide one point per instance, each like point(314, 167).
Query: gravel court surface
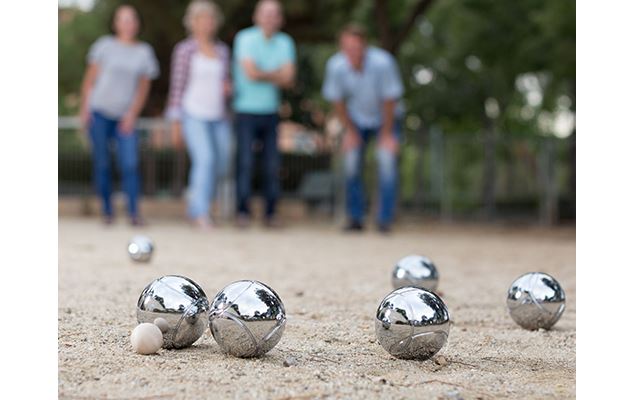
point(331, 284)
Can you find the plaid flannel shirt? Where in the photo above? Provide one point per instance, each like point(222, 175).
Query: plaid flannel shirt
point(180, 71)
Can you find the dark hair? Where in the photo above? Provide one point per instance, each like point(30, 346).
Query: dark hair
point(111, 20)
point(355, 30)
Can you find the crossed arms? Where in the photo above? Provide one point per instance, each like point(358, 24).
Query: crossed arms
point(283, 77)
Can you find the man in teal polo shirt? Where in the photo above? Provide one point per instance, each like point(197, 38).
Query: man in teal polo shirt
point(264, 63)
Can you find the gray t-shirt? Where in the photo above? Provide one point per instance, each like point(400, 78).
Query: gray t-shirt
point(120, 67)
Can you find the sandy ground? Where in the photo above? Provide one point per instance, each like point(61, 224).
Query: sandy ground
point(331, 284)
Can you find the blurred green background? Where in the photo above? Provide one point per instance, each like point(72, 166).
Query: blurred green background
point(490, 89)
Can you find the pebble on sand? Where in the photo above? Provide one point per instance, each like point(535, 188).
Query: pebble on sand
point(289, 361)
point(441, 361)
point(162, 324)
point(146, 338)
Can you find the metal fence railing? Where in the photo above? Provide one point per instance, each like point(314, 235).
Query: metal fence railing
point(445, 175)
point(506, 176)
point(164, 169)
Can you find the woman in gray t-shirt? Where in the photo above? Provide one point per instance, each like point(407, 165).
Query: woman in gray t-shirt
point(114, 91)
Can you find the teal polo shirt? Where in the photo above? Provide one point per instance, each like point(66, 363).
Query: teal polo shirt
point(258, 97)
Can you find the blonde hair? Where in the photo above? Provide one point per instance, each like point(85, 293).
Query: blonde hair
point(197, 7)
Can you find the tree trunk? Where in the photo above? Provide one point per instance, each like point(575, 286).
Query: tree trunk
point(489, 169)
point(572, 170)
point(419, 177)
point(572, 151)
point(383, 23)
point(391, 38)
point(547, 179)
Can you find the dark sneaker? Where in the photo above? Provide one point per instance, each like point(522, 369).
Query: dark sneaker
point(354, 226)
point(108, 220)
point(243, 221)
point(137, 221)
point(384, 228)
point(273, 222)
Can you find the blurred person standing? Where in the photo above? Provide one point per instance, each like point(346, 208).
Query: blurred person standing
point(114, 90)
point(263, 64)
point(199, 88)
point(364, 85)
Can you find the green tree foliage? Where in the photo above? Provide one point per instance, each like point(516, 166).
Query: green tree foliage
point(455, 55)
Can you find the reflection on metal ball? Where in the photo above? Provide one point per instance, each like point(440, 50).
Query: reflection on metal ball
point(412, 323)
point(140, 248)
point(416, 271)
point(180, 303)
point(247, 318)
point(535, 300)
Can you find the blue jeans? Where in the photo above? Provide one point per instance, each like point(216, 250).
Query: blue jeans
point(208, 144)
point(248, 128)
point(387, 170)
point(103, 132)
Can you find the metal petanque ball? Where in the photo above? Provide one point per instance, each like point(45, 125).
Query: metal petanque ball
point(412, 323)
point(180, 303)
point(247, 318)
point(140, 248)
point(535, 300)
point(416, 271)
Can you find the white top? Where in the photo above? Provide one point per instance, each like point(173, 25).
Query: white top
point(203, 96)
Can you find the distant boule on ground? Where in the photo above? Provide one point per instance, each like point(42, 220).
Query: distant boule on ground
point(415, 270)
point(140, 248)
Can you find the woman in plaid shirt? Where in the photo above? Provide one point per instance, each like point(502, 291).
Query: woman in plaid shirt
point(199, 87)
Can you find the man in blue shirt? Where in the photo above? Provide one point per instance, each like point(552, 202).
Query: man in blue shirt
point(264, 63)
point(364, 85)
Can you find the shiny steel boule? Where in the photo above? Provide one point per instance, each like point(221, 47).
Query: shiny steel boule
point(180, 303)
point(412, 323)
point(140, 248)
point(535, 300)
point(247, 318)
point(416, 271)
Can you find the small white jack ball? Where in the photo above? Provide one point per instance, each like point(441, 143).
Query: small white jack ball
point(146, 338)
point(162, 324)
